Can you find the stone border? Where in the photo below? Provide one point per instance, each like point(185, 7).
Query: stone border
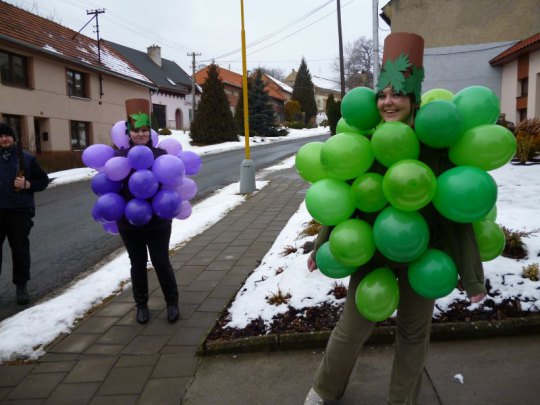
point(381, 335)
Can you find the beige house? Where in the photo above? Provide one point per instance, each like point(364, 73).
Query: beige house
point(520, 79)
point(321, 87)
point(60, 91)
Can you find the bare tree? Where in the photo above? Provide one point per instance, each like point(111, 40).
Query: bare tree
point(358, 63)
point(276, 73)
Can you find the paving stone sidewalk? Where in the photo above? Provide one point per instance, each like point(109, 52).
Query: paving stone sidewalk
point(110, 359)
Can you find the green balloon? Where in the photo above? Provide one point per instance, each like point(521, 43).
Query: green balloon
point(330, 201)
point(359, 108)
point(487, 147)
point(367, 188)
point(351, 242)
point(409, 185)
point(401, 236)
point(477, 105)
point(394, 141)
point(342, 126)
point(492, 215)
point(436, 94)
point(438, 124)
point(433, 275)
point(346, 156)
point(465, 194)
point(489, 238)
point(377, 295)
point(308, 162)
point(329, 266)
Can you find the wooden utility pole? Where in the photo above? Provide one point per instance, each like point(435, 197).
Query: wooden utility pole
point(193, 84)
point(341, 64)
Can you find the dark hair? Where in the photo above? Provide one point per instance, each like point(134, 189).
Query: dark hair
point(6, 130)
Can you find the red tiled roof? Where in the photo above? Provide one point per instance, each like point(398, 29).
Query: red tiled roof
point(22, 28)
point(528, 45)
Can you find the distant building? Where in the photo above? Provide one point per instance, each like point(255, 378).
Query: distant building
point(322, 88)
point(172, 101)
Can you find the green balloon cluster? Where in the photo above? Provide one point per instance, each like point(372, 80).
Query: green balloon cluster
point(382, 178)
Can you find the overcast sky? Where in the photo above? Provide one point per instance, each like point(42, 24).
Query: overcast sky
point(283, 30)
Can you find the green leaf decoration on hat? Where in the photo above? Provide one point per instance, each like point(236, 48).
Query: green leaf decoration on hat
point(393, 74)
point(413, 83)
point(140, 120)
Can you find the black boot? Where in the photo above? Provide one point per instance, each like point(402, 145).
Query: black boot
point(143, 314)
point(173, 313)
point(22, 295)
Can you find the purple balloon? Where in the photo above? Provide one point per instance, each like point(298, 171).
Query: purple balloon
point(111, 227)
point(96, 156)
point(117, 168)
point(102, 185)
point(171, 145)
point(166, 204)
point(185, 210)
point(109, 207)
point(192, 162)
point(119, 135)
point(187, 189)
point(140, 157)
point(96, 217)
point(154, 137)
point(143, 184)
point(168, 169)
point(138, 212)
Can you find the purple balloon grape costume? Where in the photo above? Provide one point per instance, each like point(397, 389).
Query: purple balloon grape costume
point(141, 187)
point(156, 186)
point(396, 202)
point(344, 182)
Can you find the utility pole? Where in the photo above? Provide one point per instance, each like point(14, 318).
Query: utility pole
point(341, 64)
point(193, 54)
point(375, 42)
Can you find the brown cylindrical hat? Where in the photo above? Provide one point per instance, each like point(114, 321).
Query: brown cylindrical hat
point(405, 43)
point(135, 107)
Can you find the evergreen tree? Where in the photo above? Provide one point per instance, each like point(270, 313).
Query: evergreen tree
point(213, 121)
point(333, 113)
point(304, 93)
point(261, 112)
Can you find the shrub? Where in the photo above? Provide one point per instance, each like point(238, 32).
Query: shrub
point(295, 124)
point(292, 107)
point(531, 271)
point(165, 131)
point(528, 139)
point(339, 290)
point(515, 247)
point(324, 123)
point(278, 298)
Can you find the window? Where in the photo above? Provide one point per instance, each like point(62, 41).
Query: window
point(79, 135)
point(76, 84)
point(524, 84)
point(14, 69)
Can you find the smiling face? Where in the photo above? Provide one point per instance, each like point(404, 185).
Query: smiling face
point(6, 141)
point(140, 136)
point(394, 106)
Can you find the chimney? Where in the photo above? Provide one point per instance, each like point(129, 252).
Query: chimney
point(154, 53)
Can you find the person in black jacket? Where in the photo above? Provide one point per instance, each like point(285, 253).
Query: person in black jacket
point(17, 187)
point(154, 235)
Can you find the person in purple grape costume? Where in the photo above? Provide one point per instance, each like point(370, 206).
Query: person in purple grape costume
point(154, 235)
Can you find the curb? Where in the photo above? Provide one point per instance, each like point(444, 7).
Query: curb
point(381, 335)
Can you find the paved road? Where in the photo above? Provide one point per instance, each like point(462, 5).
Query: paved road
point(66, 243)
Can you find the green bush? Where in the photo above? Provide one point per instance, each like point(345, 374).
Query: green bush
point(515, 247)
point(165, 131)
point(295, 124)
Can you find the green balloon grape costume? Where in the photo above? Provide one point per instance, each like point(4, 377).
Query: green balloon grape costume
point(404, 211)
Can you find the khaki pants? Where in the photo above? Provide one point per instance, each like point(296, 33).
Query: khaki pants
point(412, 339)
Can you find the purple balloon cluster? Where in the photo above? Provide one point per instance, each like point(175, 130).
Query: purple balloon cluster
point(159, 186)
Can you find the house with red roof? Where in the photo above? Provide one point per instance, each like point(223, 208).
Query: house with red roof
point(520, 84)
point(232, 83)
point(61, 91)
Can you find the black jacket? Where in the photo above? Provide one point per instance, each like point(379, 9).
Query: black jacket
point(23, 200)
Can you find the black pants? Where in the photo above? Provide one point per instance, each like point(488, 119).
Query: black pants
point(16, 226)
point(157, 241)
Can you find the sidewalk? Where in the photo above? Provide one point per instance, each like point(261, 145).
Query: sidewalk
point(110, 359)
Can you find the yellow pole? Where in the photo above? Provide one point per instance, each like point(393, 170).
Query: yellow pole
point(244, 84)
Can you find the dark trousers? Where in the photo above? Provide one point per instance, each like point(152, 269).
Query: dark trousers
point(16, 227)
point(157, 242)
